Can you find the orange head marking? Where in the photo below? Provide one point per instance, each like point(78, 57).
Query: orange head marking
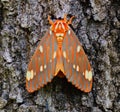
point(60, 26)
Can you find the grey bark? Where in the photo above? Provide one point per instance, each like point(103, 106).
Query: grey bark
point(97, 25)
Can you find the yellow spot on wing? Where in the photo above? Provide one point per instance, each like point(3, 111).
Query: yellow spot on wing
point(74, 66)
point(28, 76)
point(88, 75)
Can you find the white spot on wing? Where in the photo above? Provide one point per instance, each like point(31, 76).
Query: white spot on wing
point(50, 32)
point(28, 76)
point(77, 68)
point(86, 74)
point(54, 55)
point(74, 66)
point(68, 60)
point(45, 66)
point(50, 60)
point(41, 68)
point(78, 48)
point(69, 32)
point(31, 74)
point(90, 76)
point(64, 54)
point(41, 48)
point(83, 73)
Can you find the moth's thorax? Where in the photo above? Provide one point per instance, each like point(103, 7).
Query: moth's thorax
point(59, 28)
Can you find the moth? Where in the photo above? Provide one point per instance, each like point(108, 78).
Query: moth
point(59, 53)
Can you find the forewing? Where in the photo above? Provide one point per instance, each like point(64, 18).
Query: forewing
point(41, 68)
point(76, 64)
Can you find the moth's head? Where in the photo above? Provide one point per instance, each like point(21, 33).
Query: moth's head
point(60, 26)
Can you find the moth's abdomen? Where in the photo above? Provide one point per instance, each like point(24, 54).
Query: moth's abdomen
point(59, 65)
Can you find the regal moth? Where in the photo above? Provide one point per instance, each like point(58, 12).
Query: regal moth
point(59, 53)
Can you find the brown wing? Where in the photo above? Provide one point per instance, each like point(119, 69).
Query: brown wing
point(42, 65)
point(76, 65)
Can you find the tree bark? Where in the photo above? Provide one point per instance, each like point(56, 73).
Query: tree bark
point(97, 25)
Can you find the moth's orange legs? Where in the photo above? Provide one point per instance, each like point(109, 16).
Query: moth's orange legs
point(50, 21)
point(65, 19)
point(70, 21)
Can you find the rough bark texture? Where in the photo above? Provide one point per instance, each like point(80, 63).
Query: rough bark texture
point(97, 25)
